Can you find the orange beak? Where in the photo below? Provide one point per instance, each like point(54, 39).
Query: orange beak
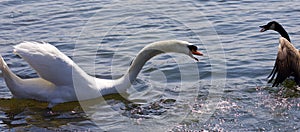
point(197, 53)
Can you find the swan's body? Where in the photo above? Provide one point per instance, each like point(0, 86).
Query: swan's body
point(288, 57)
point(58, 74)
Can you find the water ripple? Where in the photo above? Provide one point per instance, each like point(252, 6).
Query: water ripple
point(110, 33)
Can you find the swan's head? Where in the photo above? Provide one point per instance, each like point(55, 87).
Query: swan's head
point(177, 46)
point(270, 26)
point(193, 50)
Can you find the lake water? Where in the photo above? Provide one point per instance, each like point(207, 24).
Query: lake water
point(226, 90)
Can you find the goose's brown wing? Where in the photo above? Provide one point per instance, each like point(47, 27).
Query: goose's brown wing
point(287, 63)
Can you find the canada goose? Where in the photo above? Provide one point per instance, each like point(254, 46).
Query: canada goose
point(57, 72)
point(288, 58)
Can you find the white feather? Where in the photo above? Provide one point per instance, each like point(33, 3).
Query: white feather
point(47, 61)
point(61, 80)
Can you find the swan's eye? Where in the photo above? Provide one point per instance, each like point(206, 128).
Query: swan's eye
point(192, 47)
point(194, 50)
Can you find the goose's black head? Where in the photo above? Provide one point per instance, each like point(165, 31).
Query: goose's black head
point(273, 25)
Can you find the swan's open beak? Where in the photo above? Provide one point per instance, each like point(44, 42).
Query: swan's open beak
point(196, 52)
point(262, 28)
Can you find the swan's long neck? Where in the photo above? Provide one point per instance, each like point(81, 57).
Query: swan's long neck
point(138, 63)
point(143, 56)
point(282, 32)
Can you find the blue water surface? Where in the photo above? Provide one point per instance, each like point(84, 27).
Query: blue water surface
point(226, 90)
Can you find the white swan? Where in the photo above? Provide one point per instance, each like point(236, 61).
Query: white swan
point(58, 74)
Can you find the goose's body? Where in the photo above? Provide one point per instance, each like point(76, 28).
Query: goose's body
point(288, 57)
point(58, 74)
point(287, 63)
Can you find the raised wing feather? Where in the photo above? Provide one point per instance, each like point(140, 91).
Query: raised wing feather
point(287, 63)
point(48, 61)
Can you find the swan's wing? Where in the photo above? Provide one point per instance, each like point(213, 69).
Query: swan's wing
point(287, 62)
point(48, 61)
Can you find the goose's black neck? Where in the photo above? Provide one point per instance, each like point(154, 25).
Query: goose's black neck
point(282, 32)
